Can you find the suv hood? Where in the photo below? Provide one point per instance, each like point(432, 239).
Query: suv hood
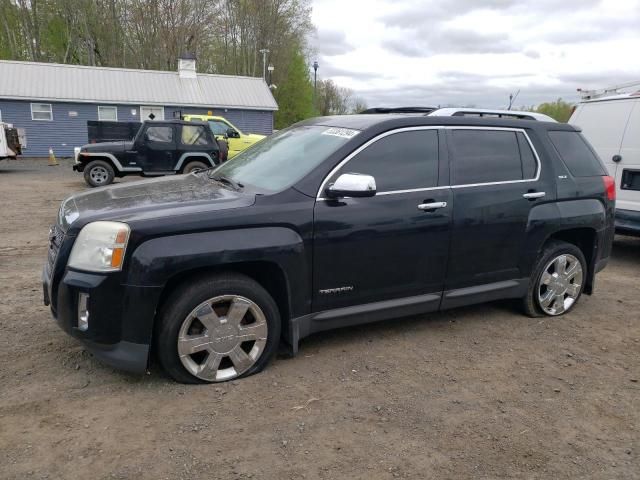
point(107, 147)
point(145, 199)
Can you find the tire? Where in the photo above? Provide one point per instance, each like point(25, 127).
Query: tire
point(561, 288)
point(185, 345)
point(223, 148)
point(98, 173)
point(193, 166)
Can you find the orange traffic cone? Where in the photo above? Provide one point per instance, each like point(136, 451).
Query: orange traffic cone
point(52, 158)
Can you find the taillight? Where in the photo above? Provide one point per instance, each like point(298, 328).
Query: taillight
point(609, 187)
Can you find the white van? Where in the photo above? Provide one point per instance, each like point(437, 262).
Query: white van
point(612, 126)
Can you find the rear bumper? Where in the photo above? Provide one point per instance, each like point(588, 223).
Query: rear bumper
point(120, 316)
point(628, 222)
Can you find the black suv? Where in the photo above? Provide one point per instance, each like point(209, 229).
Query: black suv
point(334, 221)
point(159, 148)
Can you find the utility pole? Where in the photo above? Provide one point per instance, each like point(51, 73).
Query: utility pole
point(271, 68)
point(315, 81)
point(264, 52)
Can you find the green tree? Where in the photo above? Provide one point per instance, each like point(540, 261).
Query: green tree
point(295, 94)
point(558, 110)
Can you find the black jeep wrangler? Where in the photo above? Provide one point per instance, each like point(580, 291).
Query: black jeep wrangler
point(159, 148)
point(334, 221)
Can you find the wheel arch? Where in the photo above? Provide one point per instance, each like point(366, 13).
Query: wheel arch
point(111, 159)
point(185, 158)
point(585, 238)
point(268, 275)
point(164, 263)
point(575, 221)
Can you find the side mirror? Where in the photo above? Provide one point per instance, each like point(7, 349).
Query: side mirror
point(352, 185)
point(231, 133)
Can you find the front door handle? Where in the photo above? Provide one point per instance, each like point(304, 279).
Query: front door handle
point(432, 206)
point(534, 195)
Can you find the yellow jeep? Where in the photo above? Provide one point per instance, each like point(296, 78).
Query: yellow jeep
point(222, 128)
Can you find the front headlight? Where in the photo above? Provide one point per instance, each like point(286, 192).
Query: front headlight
point(100, 247)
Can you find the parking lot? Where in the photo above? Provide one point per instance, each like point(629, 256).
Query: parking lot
point(478, 392)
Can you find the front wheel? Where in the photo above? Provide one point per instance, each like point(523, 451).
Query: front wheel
point(98, 173)
point(557, 281)
point(217, 328)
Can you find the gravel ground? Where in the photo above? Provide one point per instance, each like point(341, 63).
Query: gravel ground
point(479, 393)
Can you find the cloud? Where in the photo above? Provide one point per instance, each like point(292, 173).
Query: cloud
point(451, 40)
point(331, 42)
point(476, 52)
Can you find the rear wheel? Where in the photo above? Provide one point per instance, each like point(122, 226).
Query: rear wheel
point(98, 173)
point(558, 280)
point(217, 328)
point(193, 166)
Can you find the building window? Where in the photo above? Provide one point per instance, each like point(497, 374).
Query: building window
point(41, 111)
point(146, 112)
point(108, 114)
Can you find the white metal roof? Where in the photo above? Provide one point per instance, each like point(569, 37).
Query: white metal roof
point(73, 83)
point(450, 112)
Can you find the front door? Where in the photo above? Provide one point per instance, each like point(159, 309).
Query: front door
point(156, 147)
point(387, 246)
point(222, 131)
point(496, 181)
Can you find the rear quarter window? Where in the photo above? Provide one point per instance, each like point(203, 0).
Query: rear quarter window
point(576, 154)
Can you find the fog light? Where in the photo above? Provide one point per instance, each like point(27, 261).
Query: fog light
point(83, 311)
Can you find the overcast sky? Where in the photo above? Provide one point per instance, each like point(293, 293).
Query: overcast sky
point(475, 52)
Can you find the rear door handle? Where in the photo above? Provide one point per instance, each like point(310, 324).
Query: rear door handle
point(432, 205)
point(534, 195)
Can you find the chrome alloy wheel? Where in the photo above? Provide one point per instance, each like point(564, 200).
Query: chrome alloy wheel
point(99, 174)
point(222, 338)
point(560, 284)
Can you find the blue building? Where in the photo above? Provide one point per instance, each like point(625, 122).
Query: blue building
point(52, 103)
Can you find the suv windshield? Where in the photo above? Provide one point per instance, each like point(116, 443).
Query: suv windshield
point(285, 157)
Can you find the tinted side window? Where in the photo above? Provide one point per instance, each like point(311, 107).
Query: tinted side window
point(401, 161)
point(485, 156)
point(194, 135)
point(529, 164)
point(576, 154)
point(160, 134)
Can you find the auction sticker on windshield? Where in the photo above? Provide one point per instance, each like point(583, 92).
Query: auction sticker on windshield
point(341, 132)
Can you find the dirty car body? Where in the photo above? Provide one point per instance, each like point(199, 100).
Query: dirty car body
point(329, 259)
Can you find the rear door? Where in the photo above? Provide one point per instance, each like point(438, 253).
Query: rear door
point(385, 247)
point(603, 125)
point(194, 139)
point(496, 180)
point(628, 171)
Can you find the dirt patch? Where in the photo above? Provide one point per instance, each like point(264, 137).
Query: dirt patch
point(479, 392)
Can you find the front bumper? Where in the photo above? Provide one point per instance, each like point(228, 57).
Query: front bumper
point(78, 167)
point(628, 222)
point(120, 316)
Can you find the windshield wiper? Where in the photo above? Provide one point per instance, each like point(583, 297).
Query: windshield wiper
point(227, 181)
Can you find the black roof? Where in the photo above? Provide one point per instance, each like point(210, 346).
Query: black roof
point(420, 110)
point(176, 121)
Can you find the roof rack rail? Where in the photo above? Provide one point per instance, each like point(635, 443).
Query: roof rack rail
point(423, 110)
point(607, 91)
